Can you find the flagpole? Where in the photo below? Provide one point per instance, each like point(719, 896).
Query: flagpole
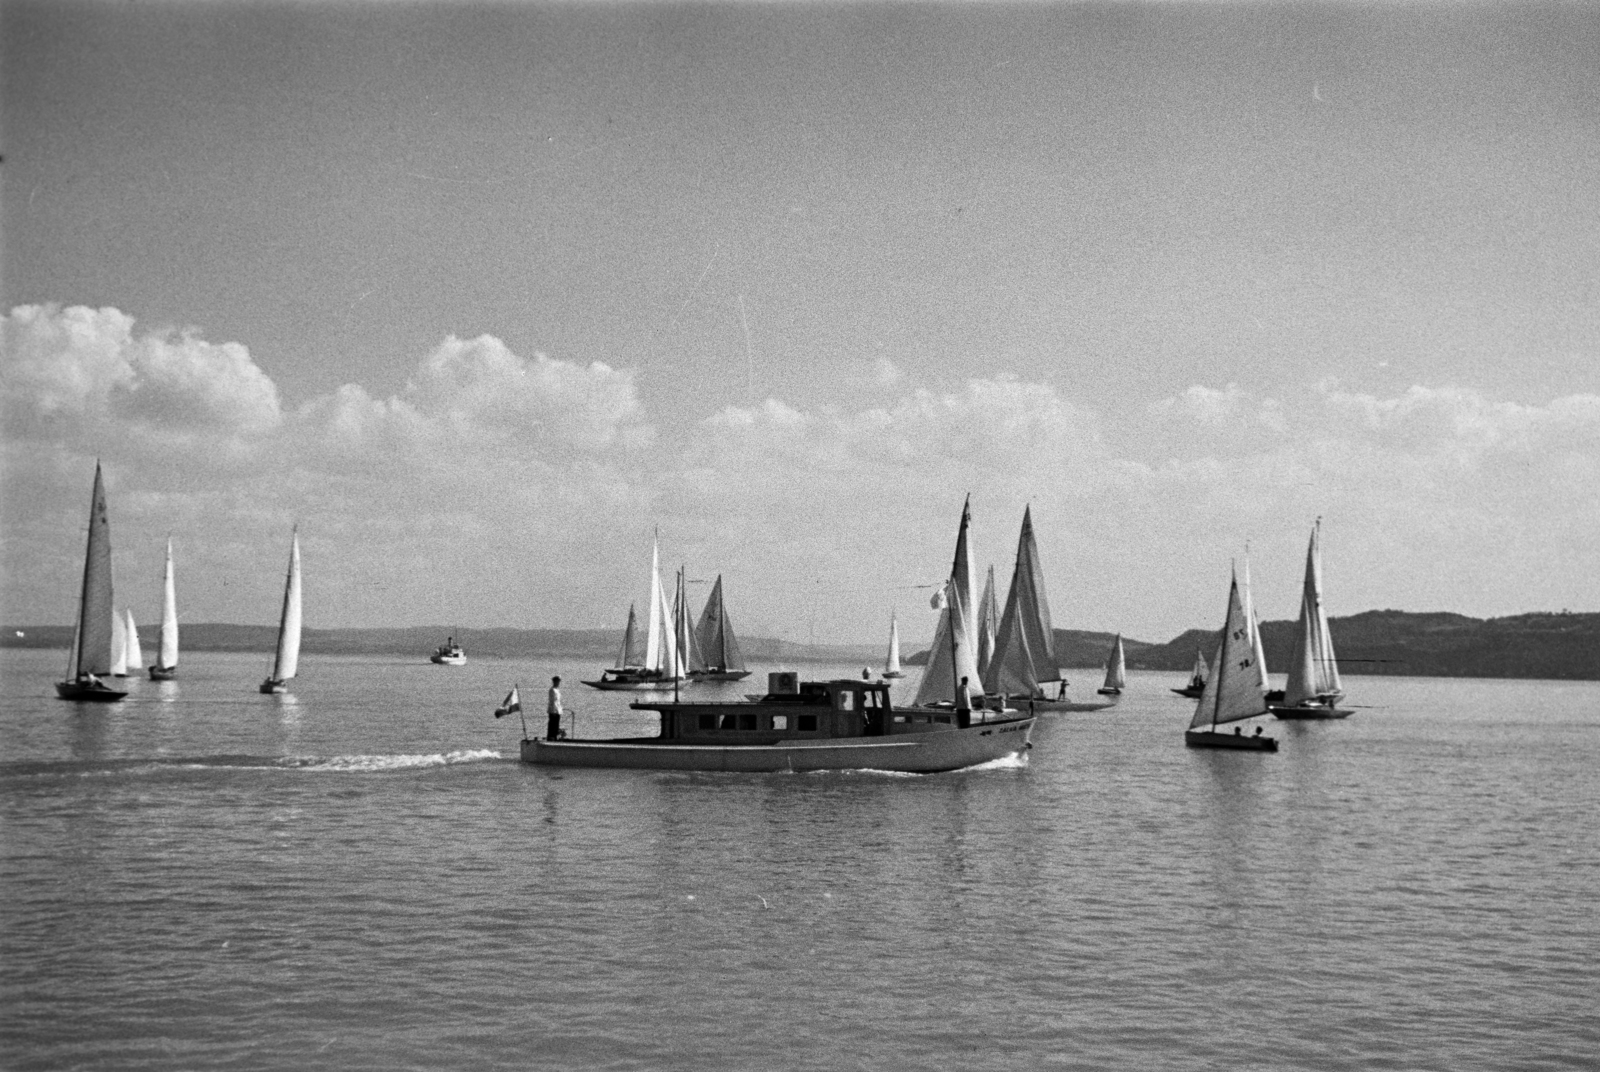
point(522, 715)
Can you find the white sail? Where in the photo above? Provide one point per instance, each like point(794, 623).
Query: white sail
point(891, 664)
point(130, 632)
point(1233, 691)
point(96, 646)
point(688, 642)
point(1024, 646)
point(167, 639)
point(287, 663)
point(119, 645)
point(988, 622)
point(1116, 667)
point(1313, 669)
point(718, 646)
point(954, 654)
point(630, 654)
point(1254, 623)
point(658, 630)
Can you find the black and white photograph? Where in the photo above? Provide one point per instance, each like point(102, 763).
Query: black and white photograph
point(738, 535)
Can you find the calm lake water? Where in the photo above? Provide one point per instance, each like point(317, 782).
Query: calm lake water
point(362, 876)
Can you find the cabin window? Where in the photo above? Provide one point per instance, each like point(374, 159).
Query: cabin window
point(806, 723)
point(708, 722)
point(846, 701)
point(919, 718)
point(942, 718)
point(747, 722)
point(901, 718)
point(780, 722)
point(730, 722)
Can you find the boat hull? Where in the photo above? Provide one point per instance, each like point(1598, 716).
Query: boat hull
point(716, 675)
point(914, 753)
point(1109, 692)
point(606, 684)
point(1311, 711)
point(448, 660)
point(1237, 741)
point(1190, 691)
point(891, 674)
point(1034, 705)
point(84, 692)
point(274, 688)
point(163, 673)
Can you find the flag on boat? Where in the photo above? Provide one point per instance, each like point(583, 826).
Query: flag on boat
point(512, 703)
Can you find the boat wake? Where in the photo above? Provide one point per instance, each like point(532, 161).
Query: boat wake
point(379, 764)
point(1013, 761)
point(153, 765)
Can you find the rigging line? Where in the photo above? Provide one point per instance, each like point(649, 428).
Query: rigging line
point(696, 288)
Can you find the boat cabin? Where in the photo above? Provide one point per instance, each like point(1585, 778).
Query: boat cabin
point(796, 710)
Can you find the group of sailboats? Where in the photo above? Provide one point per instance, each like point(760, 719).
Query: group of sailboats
point(1236, 687)
point(106, 644)
point(671, 651)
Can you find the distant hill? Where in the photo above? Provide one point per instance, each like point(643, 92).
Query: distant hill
point(1375, 642)
point(1541, 645)
point(597, 644)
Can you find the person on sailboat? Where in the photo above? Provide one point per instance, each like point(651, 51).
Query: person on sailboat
point(552, 710)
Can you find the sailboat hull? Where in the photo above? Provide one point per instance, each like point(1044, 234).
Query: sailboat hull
point(163, 673)
point(1109, 692)
point(1310, 711)
point(1237, 741)
point(1034, 704)
point(88, 692)
point(891, 674)
point(718, 675)
point(274, 688)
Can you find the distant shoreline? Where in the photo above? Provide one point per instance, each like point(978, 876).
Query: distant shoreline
point(1557, 646)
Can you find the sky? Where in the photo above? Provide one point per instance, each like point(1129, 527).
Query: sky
point(483, 297)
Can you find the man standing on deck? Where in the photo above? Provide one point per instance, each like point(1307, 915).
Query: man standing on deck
point(552, 710)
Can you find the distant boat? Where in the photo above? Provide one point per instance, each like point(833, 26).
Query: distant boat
point(449, 654)
point(166, 664)
point(716, 656)
point(1233, 692)
point(119, 646)
point(1116, 671)
point(1024, 660)
point(287, 662)
point(91, 652)
point(891, 663)
point(658, 665)
point(1314, 688)
point(130, 632)
point(1197, 679)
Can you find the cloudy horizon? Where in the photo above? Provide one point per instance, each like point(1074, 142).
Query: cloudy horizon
point(483, 296)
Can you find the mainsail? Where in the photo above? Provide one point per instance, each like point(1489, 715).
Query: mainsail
point(660, 649)
point(1024, 646)
point(719, 647)
point(130, 632)
point(287, 662)
point(167, 640)
point(1116, 667)
point(891, 664)
point(632, 651)
point(119, 645)
point(1313, 670)
point(988, 622)
point(96, 618)
point(1254, 624)
point(1233, 691)
point(954, 655)
point(688, 640)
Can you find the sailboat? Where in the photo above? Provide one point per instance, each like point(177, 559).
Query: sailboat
point(166, 664)
point(988, 623)
point(287, 662)
point(1024, 659)
point(1197, 678)
point(119, 646)
point(891, 662)
point(951, 675)
point(91, 652)
point(1233, 691)
point(716, 656)
point(657, 667)
point(1314, 688)
point(1116, 671)
point(134, 659)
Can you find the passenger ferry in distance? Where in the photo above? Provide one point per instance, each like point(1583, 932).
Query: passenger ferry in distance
point(802, 726)
point(449, 654)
